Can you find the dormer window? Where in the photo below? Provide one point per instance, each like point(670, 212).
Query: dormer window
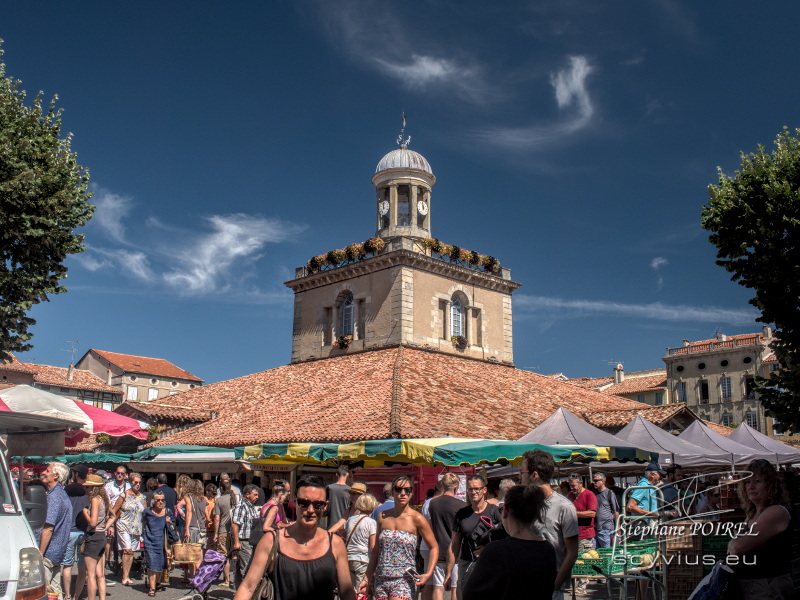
point(346, 315)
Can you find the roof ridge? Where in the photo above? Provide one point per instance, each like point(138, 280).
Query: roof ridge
point(394, 411)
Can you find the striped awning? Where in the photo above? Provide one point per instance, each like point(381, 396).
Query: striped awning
point(449, 452)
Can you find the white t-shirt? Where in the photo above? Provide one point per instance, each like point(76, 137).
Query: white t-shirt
point(114, 492)
point(358, 546)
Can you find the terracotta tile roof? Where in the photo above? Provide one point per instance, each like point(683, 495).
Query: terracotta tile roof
point(638, 384)
point(81, 379)
point(591, 383)
point(390, 392)
point(87, 444)
point(771, 358)
point(157, 410)
point(146, 366)
point(721, 429)
point(16, 365)
point(620, 418)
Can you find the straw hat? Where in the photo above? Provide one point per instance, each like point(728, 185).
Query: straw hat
point(358, 488)
point(93, 480)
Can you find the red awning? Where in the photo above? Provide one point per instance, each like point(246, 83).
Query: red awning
point(105, 421)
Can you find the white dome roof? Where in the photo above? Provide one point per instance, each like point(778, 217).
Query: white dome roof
point(403, 158)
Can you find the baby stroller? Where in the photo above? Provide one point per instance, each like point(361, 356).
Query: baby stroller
point(207, 573)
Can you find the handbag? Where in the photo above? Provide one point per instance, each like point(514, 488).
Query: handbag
point(172, 533)
point(349, 537)
point(265, 590)
point(187, 553)
point(720, 584)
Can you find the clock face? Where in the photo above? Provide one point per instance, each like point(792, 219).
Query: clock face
point(383, 207)
point(422, 207)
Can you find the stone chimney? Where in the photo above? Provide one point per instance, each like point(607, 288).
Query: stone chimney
point(70, 372)
point(721, 337)
point(685, 343)
point(108, 376)
point(619, 374)
point(766, 331)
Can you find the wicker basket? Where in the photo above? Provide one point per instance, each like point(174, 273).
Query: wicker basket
point(187, 553)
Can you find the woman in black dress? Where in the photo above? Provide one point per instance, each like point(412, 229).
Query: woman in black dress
point(521, 565)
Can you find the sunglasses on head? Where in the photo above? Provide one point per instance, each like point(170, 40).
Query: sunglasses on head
point(305, 503)
point(399, 489)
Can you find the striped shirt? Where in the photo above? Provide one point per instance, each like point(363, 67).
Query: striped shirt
point(243, 514)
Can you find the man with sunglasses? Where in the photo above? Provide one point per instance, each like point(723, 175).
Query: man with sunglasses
point(310, 563)
point(471, 523)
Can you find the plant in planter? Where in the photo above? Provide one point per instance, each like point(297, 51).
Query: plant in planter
point(428, 243)
point(491, 264)
point(343, 341)
point(354, 251)
point(437, 246)
point(316, 262)
point(373, 245)
point(334, 257)
point(474, 258)
point(459, 341)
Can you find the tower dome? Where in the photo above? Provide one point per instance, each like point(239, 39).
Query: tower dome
point(403, 158)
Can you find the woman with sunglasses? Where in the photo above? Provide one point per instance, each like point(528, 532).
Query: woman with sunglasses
point(155, 526)
point(764, 552)
point(129, 508)
point(310, 563)
point(391, 574)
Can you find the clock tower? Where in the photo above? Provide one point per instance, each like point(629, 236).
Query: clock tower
point(403, 287)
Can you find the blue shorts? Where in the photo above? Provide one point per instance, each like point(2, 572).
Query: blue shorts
point(74, 549)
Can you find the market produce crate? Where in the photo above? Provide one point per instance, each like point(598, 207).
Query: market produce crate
point(586, 566)
point(679, 589)
point(680, 537)
point(716, 546)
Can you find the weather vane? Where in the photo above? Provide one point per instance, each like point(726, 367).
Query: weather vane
point(403, 142)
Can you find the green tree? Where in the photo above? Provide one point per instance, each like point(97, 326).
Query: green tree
point(754, 220)
point(43, 199)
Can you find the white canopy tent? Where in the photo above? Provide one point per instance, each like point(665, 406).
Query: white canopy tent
point(671, 449)
point(782, 453)
point(738, 454)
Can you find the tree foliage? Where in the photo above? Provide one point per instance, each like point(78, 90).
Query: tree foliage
point(754, 220)
point(43, 199)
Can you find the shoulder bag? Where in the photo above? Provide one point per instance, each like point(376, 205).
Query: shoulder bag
point(352, 531)
point(265, 589)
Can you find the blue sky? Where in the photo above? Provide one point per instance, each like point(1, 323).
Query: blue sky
point(230, 142)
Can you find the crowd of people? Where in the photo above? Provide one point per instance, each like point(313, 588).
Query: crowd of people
point(319, 540)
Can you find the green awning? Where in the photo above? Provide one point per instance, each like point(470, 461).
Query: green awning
point(449, 452)
point(174, 449)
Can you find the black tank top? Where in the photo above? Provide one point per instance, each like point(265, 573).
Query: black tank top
point(770, 559)
point(313, 579)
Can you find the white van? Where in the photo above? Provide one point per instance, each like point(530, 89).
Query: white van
point(21, 569)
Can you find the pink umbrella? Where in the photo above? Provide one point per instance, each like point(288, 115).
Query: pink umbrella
point(105, 421)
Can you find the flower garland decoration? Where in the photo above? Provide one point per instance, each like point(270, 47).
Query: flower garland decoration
point(488, 263)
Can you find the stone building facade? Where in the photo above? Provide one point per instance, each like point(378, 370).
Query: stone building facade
point(404, 293)
point(715, 378)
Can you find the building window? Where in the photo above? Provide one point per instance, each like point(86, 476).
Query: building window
point(133, 377)
point(727, 419)
point(749, 388)
point(703, 391)
point(346, 313)
point(774, 367)
point(680, 391)
point(777, 427)
point(725, 388)
point(403, 206)
point(747, 360)
point(152, 394)
point(108, 406)
point(108, 396)
point(750, 419)
point(456, 317)
point(172, 392)
point(154, 381)
point(659, 398)
point(640, 398)
point(679, 368)
point(133, 393)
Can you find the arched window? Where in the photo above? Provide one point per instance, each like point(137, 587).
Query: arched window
point(456, 317)
point(346, 313)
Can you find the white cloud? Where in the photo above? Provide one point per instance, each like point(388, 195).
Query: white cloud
point(204, 265)
point(658, 262)
point(552, 308)
point(110, 213)
point(374, 36)
point(573, 99)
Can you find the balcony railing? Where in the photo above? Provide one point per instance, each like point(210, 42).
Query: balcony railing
point(751, 340)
